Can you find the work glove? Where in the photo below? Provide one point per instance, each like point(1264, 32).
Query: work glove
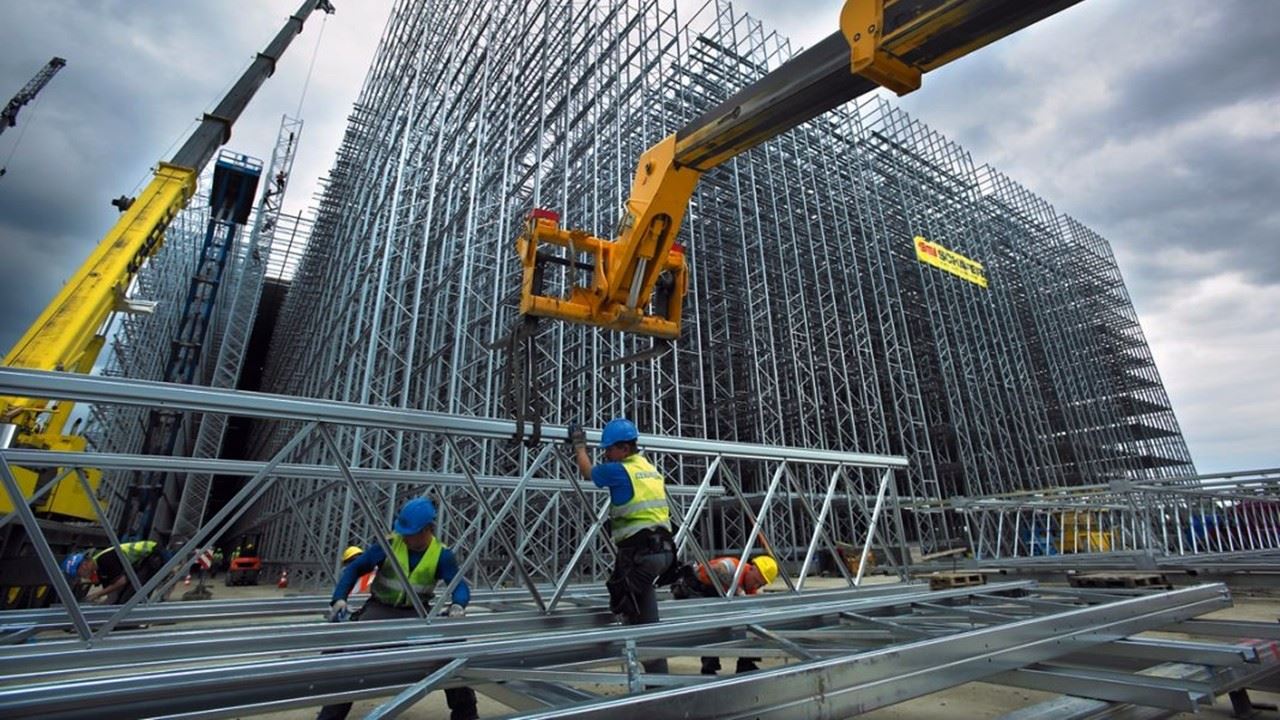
point(456, 611)
point(338, 611)
point(577, 437)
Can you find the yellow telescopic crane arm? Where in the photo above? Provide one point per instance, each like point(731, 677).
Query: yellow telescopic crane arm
point(67, 335)
point(881, 43)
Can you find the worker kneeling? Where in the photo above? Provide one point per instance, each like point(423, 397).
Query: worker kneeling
point(106, 567)
point(423, 559)
point(695, 581)
point(639, 522)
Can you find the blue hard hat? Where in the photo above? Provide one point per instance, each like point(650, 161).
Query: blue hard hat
point(618, 430)
point(71, 565)
point(416, 515)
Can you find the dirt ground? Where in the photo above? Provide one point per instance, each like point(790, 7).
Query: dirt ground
point(974, 701)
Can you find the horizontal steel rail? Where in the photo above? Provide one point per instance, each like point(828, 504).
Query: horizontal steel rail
point(249, 468)
point(138, 393)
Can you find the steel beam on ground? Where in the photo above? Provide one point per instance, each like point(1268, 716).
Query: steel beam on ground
point(821, 688)
point(1176, 695)
point(1231, 628)
point(187, 645)
point(836, 688)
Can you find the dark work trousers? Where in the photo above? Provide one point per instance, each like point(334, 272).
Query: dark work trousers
point(641, 559)
point(689, 585)
point(462, 700)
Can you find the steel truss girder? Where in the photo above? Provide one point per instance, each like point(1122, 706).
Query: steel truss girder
point(307, 552)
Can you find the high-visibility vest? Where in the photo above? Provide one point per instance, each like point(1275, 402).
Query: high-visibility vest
point(724, 568)
point(133, 551)
point(387, 587)
point(647, 508)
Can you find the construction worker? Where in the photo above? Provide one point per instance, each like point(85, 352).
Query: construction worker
point(218, 559)
point(349, 555)
point(106, 568)
point(695, 581)
point(639, 522)
point(423, 559)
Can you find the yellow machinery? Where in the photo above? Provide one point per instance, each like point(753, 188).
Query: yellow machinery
point(1085, 532)
point(67, 336)
point(636, 281)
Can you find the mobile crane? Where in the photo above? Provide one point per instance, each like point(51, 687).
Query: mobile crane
point(637, 281)
point(9, 114)
point(69, 333)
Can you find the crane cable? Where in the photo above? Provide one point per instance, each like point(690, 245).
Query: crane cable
point(324, 22)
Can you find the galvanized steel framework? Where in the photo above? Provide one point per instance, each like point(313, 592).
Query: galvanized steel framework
point(810, 322)
point(134, 338)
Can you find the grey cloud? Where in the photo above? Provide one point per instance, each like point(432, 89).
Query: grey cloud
point(135, 82)
point(1127, 142)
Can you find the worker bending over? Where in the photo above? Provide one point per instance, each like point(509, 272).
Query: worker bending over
point(639, 522)
point(106, 568)
point(695, 581)
point(424, 560)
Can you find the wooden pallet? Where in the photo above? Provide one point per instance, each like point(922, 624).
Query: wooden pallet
point(947, 580)
point(1121, 580)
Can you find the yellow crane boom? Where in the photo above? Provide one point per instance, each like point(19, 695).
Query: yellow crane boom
point(881, 43)
point(67, 334)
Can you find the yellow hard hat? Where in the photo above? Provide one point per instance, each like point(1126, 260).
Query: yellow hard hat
point(767, 566)
point(351, 552)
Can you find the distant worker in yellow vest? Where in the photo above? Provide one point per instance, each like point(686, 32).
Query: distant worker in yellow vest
point(639, 522)
point(424, 560)
point(106, 567)
point(348, 556)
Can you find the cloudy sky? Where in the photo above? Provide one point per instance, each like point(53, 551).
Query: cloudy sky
point(1155, 123)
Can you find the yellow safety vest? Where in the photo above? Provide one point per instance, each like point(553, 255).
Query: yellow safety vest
point(647, 508)
point(133, 551)
point(386, 585)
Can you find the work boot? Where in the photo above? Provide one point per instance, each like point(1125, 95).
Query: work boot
point(462, 703)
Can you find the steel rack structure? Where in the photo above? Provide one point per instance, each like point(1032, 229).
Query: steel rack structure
point(134, 340)
point(827, 654)
point(135, 336)
point(811, 321)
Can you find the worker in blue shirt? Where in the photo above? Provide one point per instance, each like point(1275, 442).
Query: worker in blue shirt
point(639, 522)
point(424, 560)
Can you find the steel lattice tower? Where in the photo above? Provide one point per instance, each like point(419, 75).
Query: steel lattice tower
point(810, 321)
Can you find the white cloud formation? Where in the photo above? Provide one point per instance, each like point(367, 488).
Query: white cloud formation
point(1217, 345)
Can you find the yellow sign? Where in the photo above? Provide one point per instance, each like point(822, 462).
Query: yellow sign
point(951, 261)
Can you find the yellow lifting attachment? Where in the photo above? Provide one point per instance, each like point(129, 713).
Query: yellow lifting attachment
point(635, 282)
